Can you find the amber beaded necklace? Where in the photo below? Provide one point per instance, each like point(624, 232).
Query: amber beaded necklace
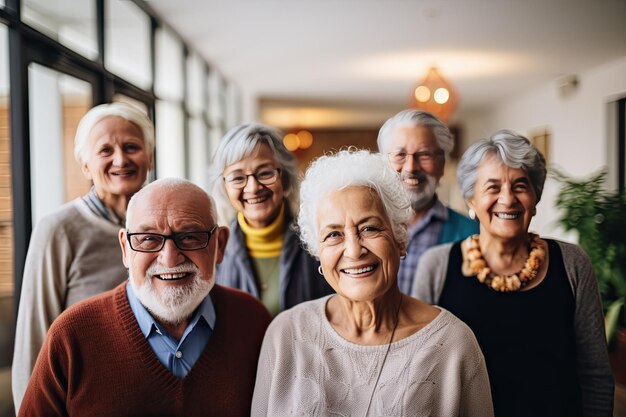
point(475, 265)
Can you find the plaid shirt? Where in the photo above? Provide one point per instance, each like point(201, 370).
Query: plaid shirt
point(422, 236)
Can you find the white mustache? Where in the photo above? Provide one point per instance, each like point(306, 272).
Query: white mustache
point(187, 267)
point(421, 177)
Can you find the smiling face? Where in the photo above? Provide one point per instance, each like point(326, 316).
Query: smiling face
point(117, 160)
point(420, 179)
point(171, 283)
point(357, 250)
point(504, 200)
point(260, 204)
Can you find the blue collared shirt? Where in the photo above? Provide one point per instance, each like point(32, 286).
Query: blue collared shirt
point(177, 356)
point(422, 236)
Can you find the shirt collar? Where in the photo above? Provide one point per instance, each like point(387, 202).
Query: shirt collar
point(147, 323)
point(438, 211)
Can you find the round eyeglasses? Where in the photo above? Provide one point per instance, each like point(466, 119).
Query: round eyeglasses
point(424, 157)
point(154, 242)
point(238, 180)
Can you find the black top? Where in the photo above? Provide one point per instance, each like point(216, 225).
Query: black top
point(527, 338)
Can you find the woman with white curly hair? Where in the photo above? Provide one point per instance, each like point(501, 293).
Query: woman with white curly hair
point(369, 349)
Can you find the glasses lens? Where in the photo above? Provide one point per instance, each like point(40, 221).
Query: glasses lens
point(267, 177)
point(397, 157)
point(192, 240)
point(236, 180)
point(146, 242)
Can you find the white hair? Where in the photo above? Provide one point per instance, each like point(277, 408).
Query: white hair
point(349, 168)
point(513, 149)
point(96, 114)
point(412, 117)
point(168, 185)
point(238, 143)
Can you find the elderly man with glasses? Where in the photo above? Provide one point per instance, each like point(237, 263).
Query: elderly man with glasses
point(167, 342)
point(416, 144)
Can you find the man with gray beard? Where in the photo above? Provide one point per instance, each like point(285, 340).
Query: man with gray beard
point(169, 341)
point(416, 143)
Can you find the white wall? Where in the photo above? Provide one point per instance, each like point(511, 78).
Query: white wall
point(578, 123)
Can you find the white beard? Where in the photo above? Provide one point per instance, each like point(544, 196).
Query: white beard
point(172, 305)
point(428, 185)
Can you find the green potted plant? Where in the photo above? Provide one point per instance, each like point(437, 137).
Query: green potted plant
point(599, 218)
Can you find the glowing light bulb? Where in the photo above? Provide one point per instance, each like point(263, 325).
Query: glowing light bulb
point(306, 139)
point(291, 142)
point(422, 93)
point(441, 95)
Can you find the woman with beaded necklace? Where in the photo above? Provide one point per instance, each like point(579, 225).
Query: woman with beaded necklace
point(255, 176)
point(368, 350)
point(532, 303)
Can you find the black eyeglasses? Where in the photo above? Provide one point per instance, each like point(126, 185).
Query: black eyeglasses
point(154, 242)
point(266, 176)
point(424, 157)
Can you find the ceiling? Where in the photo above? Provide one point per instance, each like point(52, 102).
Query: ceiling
point(370, 53)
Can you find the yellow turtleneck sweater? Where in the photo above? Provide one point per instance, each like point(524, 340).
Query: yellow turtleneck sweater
point(264, 246)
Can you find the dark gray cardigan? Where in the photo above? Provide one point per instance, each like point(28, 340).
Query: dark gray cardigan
point(299, 279)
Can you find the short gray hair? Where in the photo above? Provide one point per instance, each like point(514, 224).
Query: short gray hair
point(350, 168)
point(96, 114)
point(412, 117)
point(513, 149)
point(237, 144)
point(167, 185)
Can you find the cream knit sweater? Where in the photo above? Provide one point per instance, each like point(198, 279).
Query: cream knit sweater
point(307, 368)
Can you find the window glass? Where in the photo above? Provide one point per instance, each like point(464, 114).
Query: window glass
point(198, 153)
point(73, 23)
point(232, 116)
point(169, 66)
point(196, 95)
point(170, 143)
point(57, 103)
point(127, 42)
point(7, 315)
point(216, 100)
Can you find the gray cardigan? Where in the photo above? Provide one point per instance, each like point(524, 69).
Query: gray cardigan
point(594, 371)
point(299, 279)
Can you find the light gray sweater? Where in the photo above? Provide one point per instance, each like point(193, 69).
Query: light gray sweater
point(592, 362)
point(307, 368)
point(73, 254)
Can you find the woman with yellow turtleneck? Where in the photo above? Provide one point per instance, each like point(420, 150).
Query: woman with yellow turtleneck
point(254, 174)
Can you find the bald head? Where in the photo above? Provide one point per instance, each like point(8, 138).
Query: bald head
point(166, 190)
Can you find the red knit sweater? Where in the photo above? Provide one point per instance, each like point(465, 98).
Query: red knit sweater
point(96, 362)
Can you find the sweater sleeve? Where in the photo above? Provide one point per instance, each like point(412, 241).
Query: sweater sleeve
point(592, 362)
point(264, 374)
point(47, 389)
point(476, 393)
point(431, 274)
point(44, 287)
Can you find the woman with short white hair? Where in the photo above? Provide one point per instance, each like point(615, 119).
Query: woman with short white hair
point(369, 349)
point(74, 252)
